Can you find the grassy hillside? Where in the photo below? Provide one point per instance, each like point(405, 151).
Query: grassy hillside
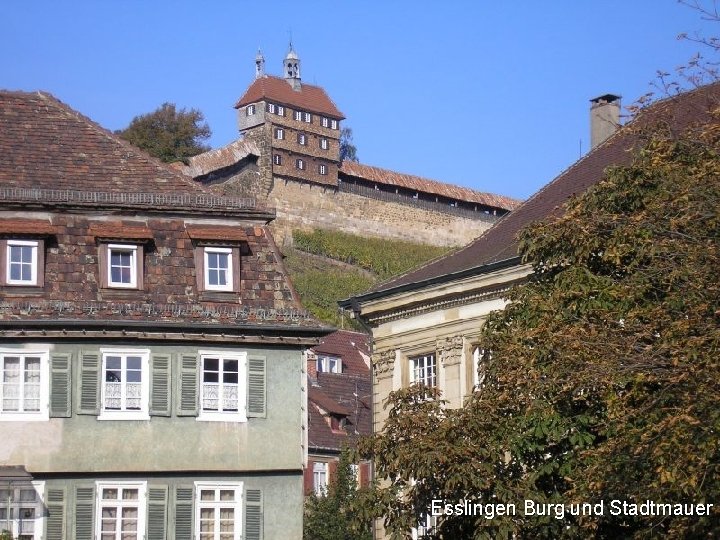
point(327, 266)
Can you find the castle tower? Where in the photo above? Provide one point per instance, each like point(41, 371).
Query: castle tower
point(291, 68)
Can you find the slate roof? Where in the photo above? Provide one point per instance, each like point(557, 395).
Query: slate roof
point(417, 183)
point(347, 394)
point(499, 243)
point(309, 98)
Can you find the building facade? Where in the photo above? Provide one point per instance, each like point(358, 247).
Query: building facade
point(152, 349)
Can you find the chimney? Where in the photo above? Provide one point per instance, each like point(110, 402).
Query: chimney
point(604, 118)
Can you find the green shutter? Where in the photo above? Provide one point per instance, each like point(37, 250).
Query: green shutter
point(160, 385)
point(84, 510)
point(89, 402)
point(55, 505)
point(60, 383)
point(183, 513)
point(187, 404)
point(157, 512)
point(253, 514)
point(256, 387)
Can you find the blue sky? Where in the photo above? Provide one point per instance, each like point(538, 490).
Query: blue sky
point(486, 94)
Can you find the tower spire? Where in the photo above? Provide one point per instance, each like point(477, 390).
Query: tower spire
point(291, 68)
point(259, 64)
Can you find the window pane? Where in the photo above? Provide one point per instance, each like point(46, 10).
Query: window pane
point(130, 494)
point(227, 494)
point(110, 494)
point(27, 495)
point(207, 495)
point(113, 362)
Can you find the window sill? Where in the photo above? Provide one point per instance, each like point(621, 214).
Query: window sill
point(121, 415)
point(22, 290)
point(234, 417)
point(219, 296)
point(24, 417)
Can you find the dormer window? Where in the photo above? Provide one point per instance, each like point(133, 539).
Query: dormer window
point(329, 364)
point(280, 110)
point(338, 422)
point(325, 121)
point(22, 266)
point(333, 124)
point(218, 274)
point(121, 266)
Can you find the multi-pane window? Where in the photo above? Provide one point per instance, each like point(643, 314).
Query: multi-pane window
point(122, 262)
point(22, 262)
point(324, 143)
point(329, 364)
point(271, 108)
point(21, 510)
point(23, 385)
point(120, 511)
point(277, 159)
point(279, 134)
point(322, 168)
point(222, 386)
point(478, 376)
point(218, 512)
point(302, 139)
point(307, 117)
point(423, 370)
point(280, 110)
point(218, 269)
point(325, 122)
point(125, 388)
point(333, 124)
point(300, 164)
point(320, 477)
point(297, 115)
point(250, 110)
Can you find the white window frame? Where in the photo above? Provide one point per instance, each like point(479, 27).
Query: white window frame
point(333, 124)
point(44, 410)
point(419, 366)
point(123, 414)
point(279, 134)
point(302, 139)
point(277, 159)
point(34, 244)
point(140, 503)
point(280, 110)
point(324, 363)
point(228, 286)
point(216, 505)
point(325, 121)
point(321, 471)
point(250, 110)
point(271, 108)
point(324, 143)
point(224, 416)
point(307, 118)
point(297, 115)
point(477, 355)
point(16, 505)
point(322, 169)
point(300, 164)
point(123, 248)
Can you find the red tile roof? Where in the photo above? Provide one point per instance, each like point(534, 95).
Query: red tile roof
point(499, 243)
point(416, 183)
point(118, 230)
point(45, 143)
point(308, 98)
point(197, 232)
point(26, 226)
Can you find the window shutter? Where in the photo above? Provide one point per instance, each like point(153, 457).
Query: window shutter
point(160, 385)
point(183, 513)
point(308, 478)
point(89, 384)
point(188, 381)
point(157, 512)
point(199, 255)
point(253, 514)
point(256, 387)
point(60, 381)
point(55, 504)
point(84, 502)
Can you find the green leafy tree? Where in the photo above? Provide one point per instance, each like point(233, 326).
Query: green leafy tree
point(604, 376)
point(169, 134)
point(332, 516)
point(348, 151)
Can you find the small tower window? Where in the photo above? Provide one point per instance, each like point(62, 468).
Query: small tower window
point(277, 159)
point(300, 164)
point(279, 134)
point(280, 110)
point(325, 122)
point(297, 115)
point(302, 139)
point(271, 108)
point(250, 110)
point(322, 168)
point(324, 143)
point(333, 124)
point(307, 117)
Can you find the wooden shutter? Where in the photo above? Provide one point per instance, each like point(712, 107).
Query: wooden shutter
point(187, 403)
point(253, 514)
point(60, 385)
point(89, 402)
point(308, 478)
point(157, 512)
point(55, 521)
point(160, 385)
point(257, 385)
point(183, 513)
point(84, 510)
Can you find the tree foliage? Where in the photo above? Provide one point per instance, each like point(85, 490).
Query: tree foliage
point(169, 134)
point(604, 376)
point(348, 151)
point(328, 517)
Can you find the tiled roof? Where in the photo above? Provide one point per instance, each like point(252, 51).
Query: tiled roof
point(350, 346)
point(213, 160)
point(120, 230)
point(45, 143)
point(26, 226)
point(309, 98)
point(198, 232)
point(499, 243)
point(416, 183)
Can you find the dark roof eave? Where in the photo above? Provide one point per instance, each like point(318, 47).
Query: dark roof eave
point(354, 301)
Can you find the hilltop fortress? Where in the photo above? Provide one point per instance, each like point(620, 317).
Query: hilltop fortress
point(288, 158)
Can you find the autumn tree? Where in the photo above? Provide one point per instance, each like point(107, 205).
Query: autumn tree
point(168, 133)
point(604, 375)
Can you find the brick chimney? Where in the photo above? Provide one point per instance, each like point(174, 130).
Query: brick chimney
point(604, 118)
